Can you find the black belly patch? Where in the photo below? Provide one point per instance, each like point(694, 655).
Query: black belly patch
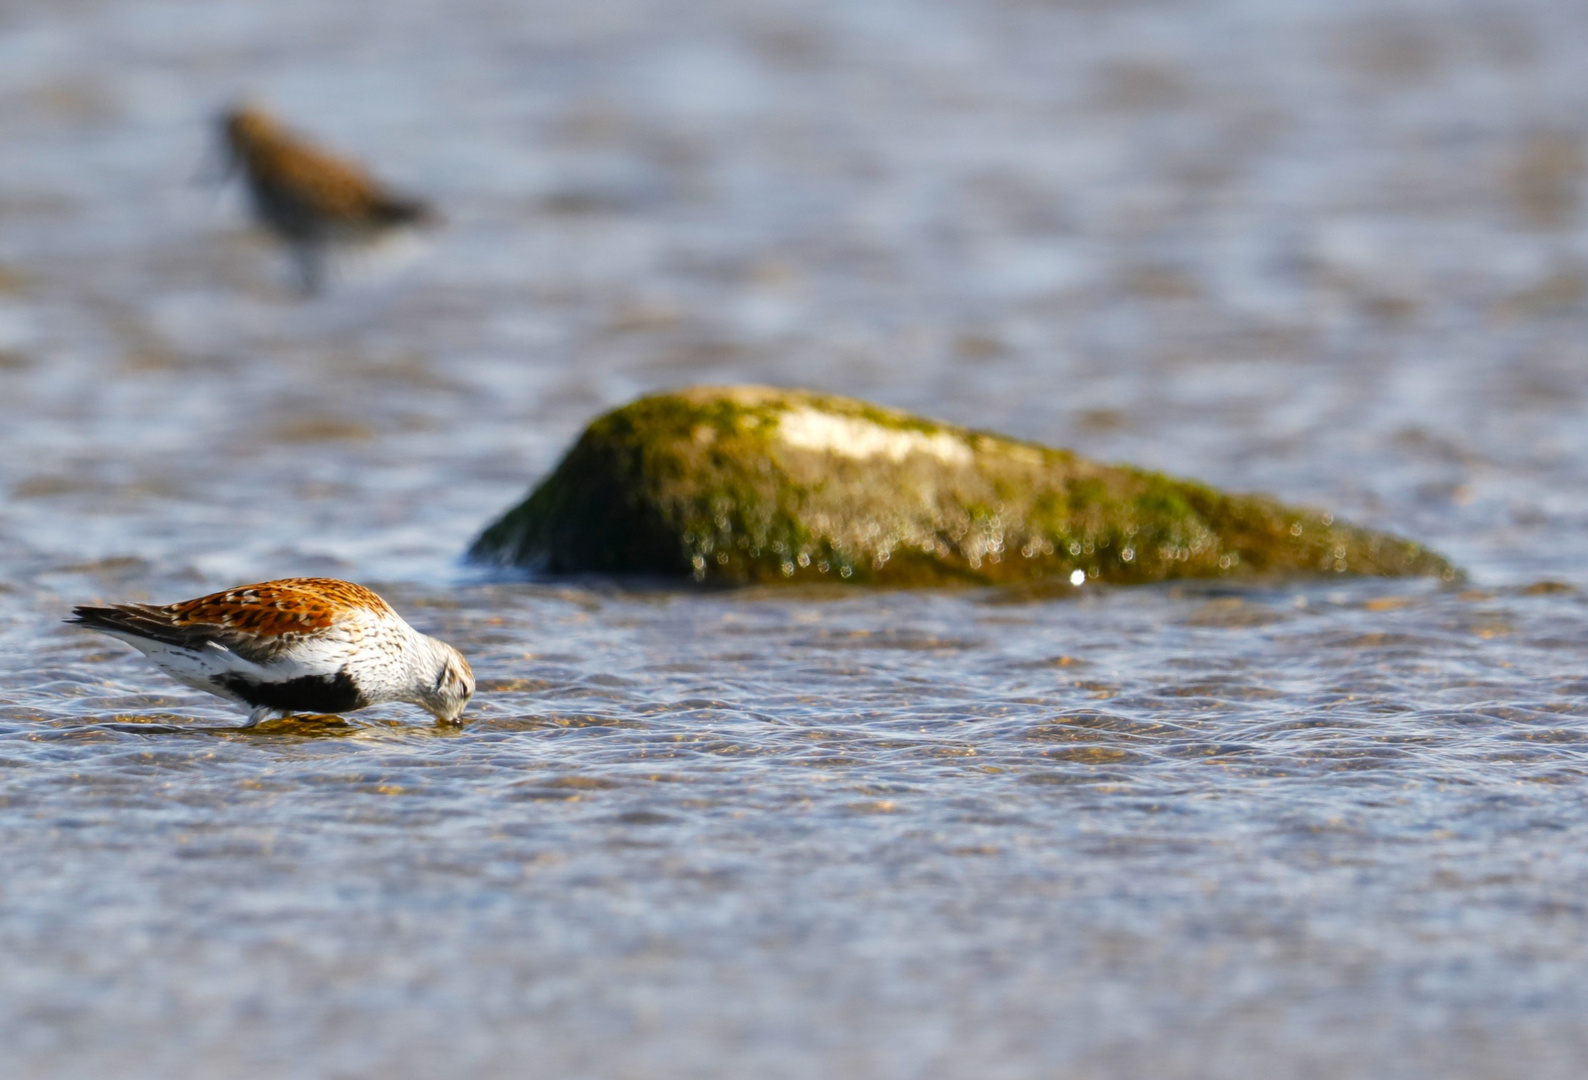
point(311, 693)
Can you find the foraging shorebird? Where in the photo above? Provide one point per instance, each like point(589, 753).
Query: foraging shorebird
point(308, 197)
point(313, 645)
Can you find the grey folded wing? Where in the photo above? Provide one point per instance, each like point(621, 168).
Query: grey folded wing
point(155, 623)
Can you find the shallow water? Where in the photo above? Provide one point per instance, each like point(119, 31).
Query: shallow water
point(1332, 251)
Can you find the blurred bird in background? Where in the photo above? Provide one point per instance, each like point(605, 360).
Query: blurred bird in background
point(309, 198)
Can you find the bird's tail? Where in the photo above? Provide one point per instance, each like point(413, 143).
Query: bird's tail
point(392, 210)
point(136, 620)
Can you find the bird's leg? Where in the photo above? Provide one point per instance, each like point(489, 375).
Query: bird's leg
point(309, 257)
point(262, 713)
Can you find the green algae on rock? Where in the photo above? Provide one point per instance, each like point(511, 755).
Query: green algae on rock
point(753, 484)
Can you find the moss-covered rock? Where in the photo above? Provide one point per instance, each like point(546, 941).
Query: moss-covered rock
point(752, 484)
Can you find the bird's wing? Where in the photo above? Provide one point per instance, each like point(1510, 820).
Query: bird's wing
point(262, 623)
point(332, 186)
point(147, 623)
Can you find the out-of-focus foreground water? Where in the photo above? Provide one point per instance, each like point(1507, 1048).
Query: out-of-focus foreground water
point(1331, 250)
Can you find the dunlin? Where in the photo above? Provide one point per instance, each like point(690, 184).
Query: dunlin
point(311, 199)
point(314, 645)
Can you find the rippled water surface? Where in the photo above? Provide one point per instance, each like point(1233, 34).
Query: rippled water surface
point(1330, 250)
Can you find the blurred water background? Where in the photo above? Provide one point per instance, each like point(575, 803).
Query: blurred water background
point(1331, 250)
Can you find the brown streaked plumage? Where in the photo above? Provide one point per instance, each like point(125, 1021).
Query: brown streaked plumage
point(310, 198)
point(293, 645)
point(273, 608)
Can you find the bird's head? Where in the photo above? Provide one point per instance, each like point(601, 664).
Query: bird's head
point(448, 686)
point(246, 126)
